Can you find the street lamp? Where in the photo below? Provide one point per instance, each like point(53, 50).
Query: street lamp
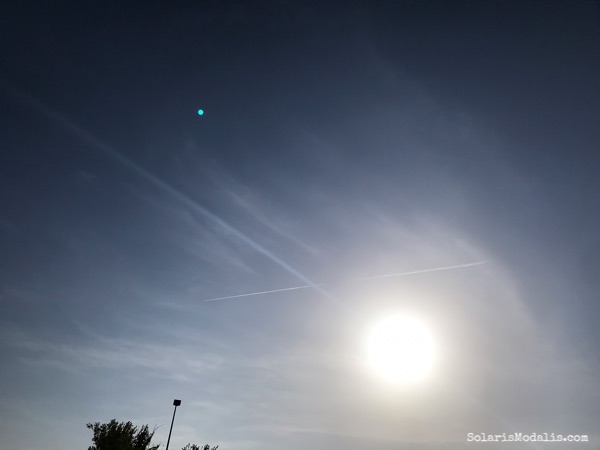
point(176, 403)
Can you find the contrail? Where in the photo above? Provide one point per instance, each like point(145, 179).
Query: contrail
point(117, 156)
point(399, 274)
point(415, 272)
point(263, 292)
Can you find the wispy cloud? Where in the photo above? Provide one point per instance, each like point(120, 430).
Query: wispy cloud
point(176, 361)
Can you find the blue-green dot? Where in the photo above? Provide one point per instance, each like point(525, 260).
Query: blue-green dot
point(200, 112)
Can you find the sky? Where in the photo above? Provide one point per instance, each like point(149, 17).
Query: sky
point(340, 141)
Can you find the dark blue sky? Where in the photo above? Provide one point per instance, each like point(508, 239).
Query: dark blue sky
point(339, 141)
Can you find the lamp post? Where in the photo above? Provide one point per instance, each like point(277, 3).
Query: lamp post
point(176, 403)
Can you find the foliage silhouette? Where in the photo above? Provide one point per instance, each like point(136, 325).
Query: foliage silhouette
point(198, 447)
point(120, 436)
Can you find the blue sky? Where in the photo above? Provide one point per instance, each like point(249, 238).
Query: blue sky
point(339, 141)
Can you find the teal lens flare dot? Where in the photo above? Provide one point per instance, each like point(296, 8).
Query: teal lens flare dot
point(200, 112)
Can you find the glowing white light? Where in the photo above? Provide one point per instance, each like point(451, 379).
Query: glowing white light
point(401, 348)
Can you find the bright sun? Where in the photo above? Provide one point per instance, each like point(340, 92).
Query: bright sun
point(401, 348)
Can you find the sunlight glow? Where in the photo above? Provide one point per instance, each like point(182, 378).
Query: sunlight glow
point(400, 348)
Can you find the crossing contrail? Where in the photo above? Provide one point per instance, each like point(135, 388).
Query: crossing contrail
point(118, 157)
point(307, 286)
point(143, 173)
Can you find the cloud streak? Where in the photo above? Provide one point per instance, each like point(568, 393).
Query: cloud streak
point(175, 362)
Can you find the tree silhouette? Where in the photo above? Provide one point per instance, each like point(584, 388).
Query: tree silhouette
point(197, 447)
point(120, 436)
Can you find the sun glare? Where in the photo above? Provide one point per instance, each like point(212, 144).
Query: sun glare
point(400, 348)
